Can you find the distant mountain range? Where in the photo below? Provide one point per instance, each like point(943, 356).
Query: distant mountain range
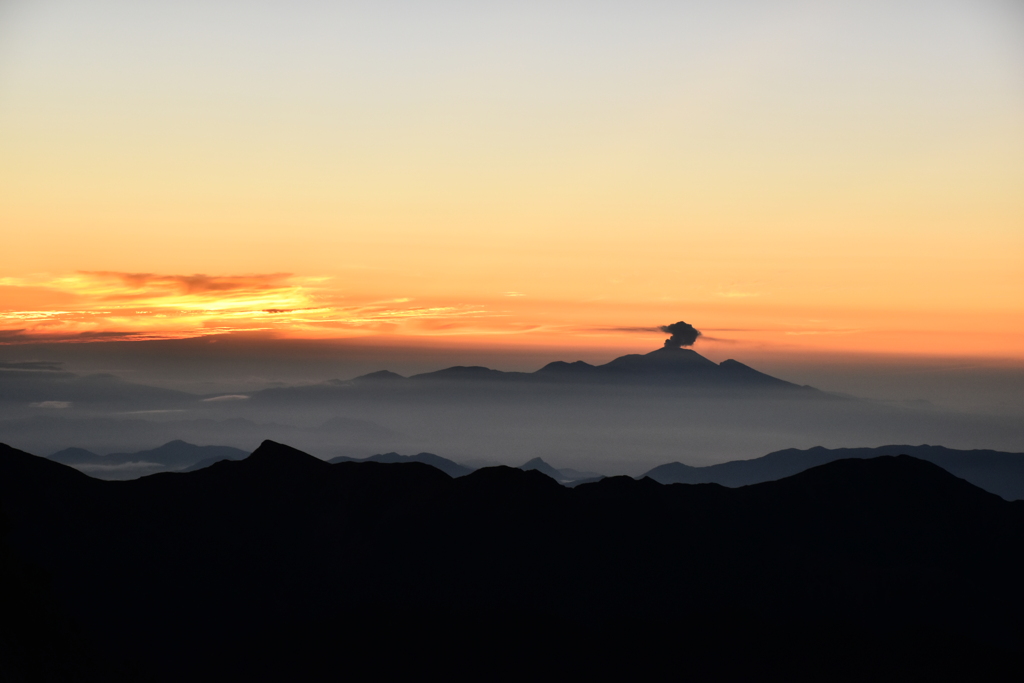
point(180, 456)
point(282, 566)
point(629, 415)
point(99, 435)
point(36, 389)
point(673, 366)
point(46, 383)
point(995, 471)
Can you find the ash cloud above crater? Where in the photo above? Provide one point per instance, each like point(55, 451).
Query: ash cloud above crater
point(683, 334)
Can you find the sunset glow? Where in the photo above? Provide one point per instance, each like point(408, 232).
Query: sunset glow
point(124, 306)
point(841, 179)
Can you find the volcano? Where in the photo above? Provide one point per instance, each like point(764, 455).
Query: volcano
point(668, 365)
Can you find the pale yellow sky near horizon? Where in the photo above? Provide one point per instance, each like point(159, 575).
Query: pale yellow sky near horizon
point(831, 176)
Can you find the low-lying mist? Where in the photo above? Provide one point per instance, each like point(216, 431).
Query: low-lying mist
point(608, 429)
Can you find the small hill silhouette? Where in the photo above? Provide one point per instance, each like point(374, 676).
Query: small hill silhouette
point(76, 456)
point(449, 467)
point(379, 376)
point(562, 367)
point(277, 457)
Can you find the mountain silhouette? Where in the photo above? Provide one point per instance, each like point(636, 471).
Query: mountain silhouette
point(379, 376)
point(449, 467)
point(994, 471)
point(273, 457)
point(671, 366)
point(660, 361)
point(470, 372)
point(282, 566)
point(540, 466)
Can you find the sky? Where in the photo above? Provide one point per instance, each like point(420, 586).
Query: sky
point(796, 179)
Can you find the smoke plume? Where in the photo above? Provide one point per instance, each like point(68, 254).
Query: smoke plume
point(683, 334)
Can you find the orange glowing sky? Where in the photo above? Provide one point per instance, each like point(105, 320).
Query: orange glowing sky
point(839, 176)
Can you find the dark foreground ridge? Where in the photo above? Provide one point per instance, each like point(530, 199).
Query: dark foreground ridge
point(282, 567)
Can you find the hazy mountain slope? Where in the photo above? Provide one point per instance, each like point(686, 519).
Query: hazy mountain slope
point(567, 475)
point(58, 388)
point(540, 466)
point(75, 456)
point(175, 454)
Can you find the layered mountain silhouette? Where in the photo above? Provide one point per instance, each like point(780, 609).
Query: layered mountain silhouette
point(565, 476)
point(283, 567)
point(998, 472)
point(995, 471)
point(540, 466)
point(96, 440)
point(174, 455)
